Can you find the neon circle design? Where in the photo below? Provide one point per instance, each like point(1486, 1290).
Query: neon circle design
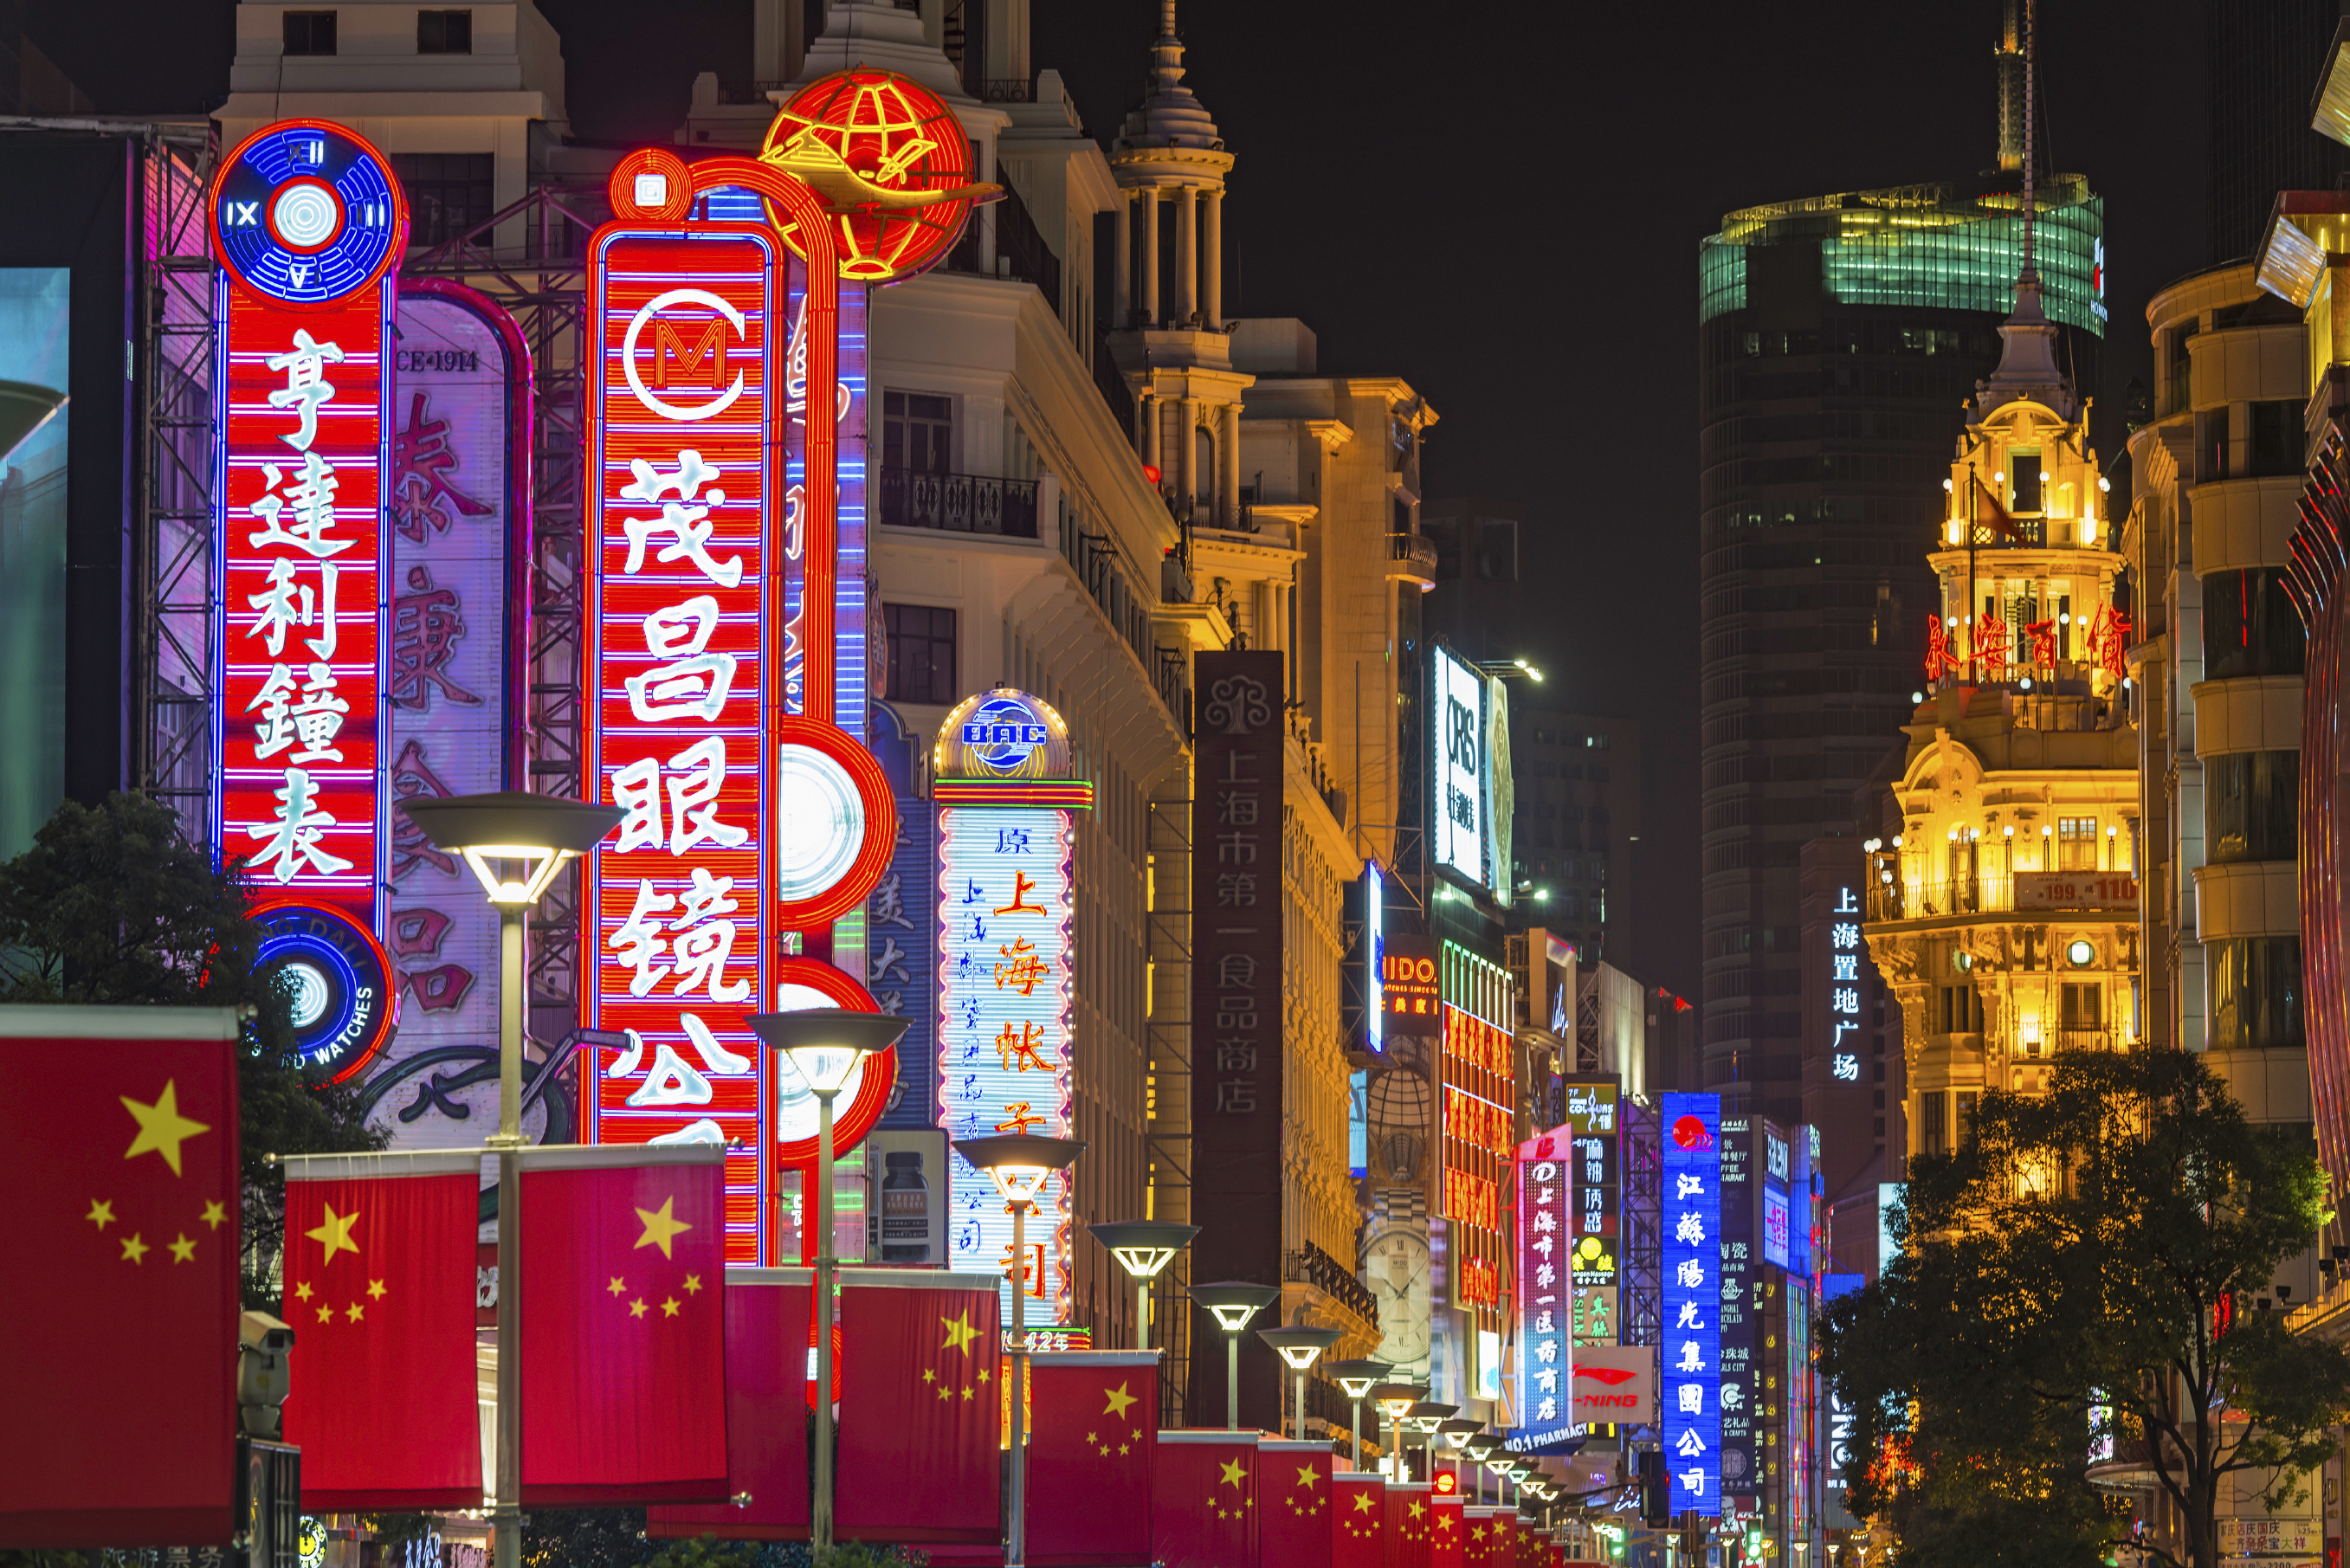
point(305, 215)
point(660, 406)
point(868, 141)
point(835, 822)
point(801, 984)
point(345, 1002)
point(1004, 734)
point(285, 245)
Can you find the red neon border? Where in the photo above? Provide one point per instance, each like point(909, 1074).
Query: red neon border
point(309, 904)
point(850, 1126)
point(392, 253)
point(864, 872)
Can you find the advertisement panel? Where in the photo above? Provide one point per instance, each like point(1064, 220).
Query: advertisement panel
point(1615, 1383)
point(1740, 1306)
point(1479, 1097)
point(1460, 795)
point(35, 321)
point(1592, 1105)
point(2076, 890)
point(1501, 804)
point(1545, 1230)
point(1690, 1364)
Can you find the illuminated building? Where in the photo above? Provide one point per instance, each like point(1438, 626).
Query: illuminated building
point(1837, 334)
point(2002, 906)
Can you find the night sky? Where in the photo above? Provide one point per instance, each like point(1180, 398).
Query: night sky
point(1501, 203)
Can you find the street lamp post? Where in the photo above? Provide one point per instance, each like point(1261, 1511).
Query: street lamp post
point(1426, 1416)
point(1456, 1434)
point(1143, 1247)
point(516, 842)
point(1480, 1448)
point(1395, 1401)
point(1299, 1346)
point(824, 1045)
point(1019, 1164)
point(1233, 1302)
point(1355, 1378)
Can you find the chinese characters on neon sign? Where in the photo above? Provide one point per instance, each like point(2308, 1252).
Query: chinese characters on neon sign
point(1545, 1232)
point(1480, 1099)
point(1843, 988)
point(1591, 1126)
point(1688, 1358)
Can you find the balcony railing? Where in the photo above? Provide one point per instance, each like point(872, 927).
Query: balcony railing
point(1414, 555)
point(1313, 1266)
point(2001, 893)
point(959, 502)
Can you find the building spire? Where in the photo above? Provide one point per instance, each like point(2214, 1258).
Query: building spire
point(2027, 361)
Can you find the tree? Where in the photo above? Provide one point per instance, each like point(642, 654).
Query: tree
point(111, 905)
point(2088, 1251)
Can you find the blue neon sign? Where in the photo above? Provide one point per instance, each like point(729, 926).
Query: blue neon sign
point(1688, 1359)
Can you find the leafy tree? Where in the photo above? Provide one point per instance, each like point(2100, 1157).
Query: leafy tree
point(111, 905)
point(2089, 1251)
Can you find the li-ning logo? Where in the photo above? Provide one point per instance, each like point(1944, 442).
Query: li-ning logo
point(670, 341)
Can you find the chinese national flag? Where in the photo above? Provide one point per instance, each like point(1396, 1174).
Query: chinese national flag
point(1295, 1489)
point(1447, 1543)
point(1358, 1521)
point(921, 1407)
point(623, 1325)
point(1412, 1524)
point(1095, 1419)
point(380, 1290)
point(767, 1413)
point(1483, 1549)
point(1555, 1555)
point(1204, 1499)
point(117, 1151)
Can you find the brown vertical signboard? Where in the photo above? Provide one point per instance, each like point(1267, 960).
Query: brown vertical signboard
point(1236, 1007)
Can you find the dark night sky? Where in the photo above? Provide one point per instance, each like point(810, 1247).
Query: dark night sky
point(1505, 212)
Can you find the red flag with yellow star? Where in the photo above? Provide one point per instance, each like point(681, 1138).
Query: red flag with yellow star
point(623, 1325)
point(1450, 1539)
point(380, 1289)
point(1412, 1524)
point(767, 1379)
point(117, 1151)
point(1094, 1420)
point(1294, 1488)
point(1501, 1538)
point(1204, 1499)
point(921, 1407)
point(1358, 1520)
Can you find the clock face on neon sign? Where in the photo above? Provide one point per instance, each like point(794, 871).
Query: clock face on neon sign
point(306, 213)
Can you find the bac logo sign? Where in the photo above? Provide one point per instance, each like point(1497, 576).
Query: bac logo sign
point(691, 341)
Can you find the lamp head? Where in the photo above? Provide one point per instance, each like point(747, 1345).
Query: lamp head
point(1234, 1302)
point(824, 1044)
point(1356, 1378)
point(1020, 1163)
point(1458, 1431)
point(1500, 1464)
point(1299, 1346)
point(1143, 1247)
point(1480, 1448)
point(1396, 1399)
point(1428, 1414)
point(514, 841)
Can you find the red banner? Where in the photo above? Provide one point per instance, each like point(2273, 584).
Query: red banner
point(1488, 1544)
point(624, 1334)
point(1358, 1521)
point(1450, 1540)
point(118, 1143)
point(1411, 1525)
point(767, 1339)
point(1296, 1487)
point(1096, 1419)
point(380, 1288)
point(1204, 1499)
point(920, 1409)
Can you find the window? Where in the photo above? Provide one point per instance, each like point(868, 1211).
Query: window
point(1933, 1123)
point(2076, 844)
point(2025, 483)
point(2211, 445)
point(449, 193)
point(445, 32)
point(2277, 437)
point(917, 431)
point(1966, 1117)
point(2250, 806)
point(1961, 1010)
point(2255, 993)
point(921, 642)
point(2084, 1005)
point(2250, 626)
point(310, 32)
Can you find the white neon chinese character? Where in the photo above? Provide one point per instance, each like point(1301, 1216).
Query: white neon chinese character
point(693, 684)
point(640, 942)
point(1545, 1220)
point(293, 839)
point(1545, 1276)
point(1689, 1361)
point(1847, 966)
point(1692, 1398)
point(1694, 1479)
point(306, 384)
point(690, 524)
point(312, 499)
point(1844, 934)
point(1686, 1186)
point(1846, 1069)
point(1546, 1352)
point(1545, 1322)
point(1547, 1410)
point(637, 789)
point(283, 605)
point(313, 717)
point(701, 954)
point(698, 773)
point(1546, 1379)
point(1688, 1318)
point(1544, 1245)
point(1689, 1445)
point(1846, 998)
point(1688, 1274)
point(1689, 1229)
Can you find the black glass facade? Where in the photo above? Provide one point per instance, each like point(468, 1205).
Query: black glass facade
point(2261, 60)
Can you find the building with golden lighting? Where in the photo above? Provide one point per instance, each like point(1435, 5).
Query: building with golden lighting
point(2003, 910)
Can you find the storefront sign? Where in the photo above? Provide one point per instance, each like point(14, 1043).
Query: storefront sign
point(1546, 1240)
point(1459, 831)
point(1742, 1329)
point(1689, 1365)
point(1479, 1097)
point(1591, 1128)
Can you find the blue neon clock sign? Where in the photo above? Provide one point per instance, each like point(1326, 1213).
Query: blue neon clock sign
point(308, 214)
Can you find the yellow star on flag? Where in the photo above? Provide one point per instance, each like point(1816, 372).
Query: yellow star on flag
point(335, 1235)
point(101, 1213)
point(661, 1227)
point(216, 1215)
point(1414, 1508)
point(134, 1250)
point(161, 1128)
point(374, 1290)
point(1118, 1400)
point(1307, 1475)
point(617, 1287)
point(183, 1249)
point(636, 1309)
point(302, 1292)
point(1362, 1502)
point(326, 1313)
point(960, 1332)
point(693, 1284)
point(669, 1307)
point(354, 1312)
point(1233, 1475)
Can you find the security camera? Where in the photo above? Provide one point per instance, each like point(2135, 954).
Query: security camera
point(263, 1375)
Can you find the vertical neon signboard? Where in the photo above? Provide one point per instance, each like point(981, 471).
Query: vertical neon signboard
point(682, 332)
point(1480, 1106)
point(1689, 1355)
point(1546, 1240)
point(1007, 847)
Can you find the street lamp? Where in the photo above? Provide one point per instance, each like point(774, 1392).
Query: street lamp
point(1143, 1247)
point(1426, 1416)
point(1456, 1434)
point(1355, 1379)
point(516, 842)
point(824, 1045)
point(1395, 1401)
point(1233, 1302)
point(1299, 1348)
point(1480, 1448)
point(1019, 1164)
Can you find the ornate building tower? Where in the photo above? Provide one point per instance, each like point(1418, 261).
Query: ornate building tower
point(2003, 902)
point(1172, 341)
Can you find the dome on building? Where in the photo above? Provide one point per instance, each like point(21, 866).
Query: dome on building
point(1170, 114)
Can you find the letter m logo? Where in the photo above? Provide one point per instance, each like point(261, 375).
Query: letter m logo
point(669, 345)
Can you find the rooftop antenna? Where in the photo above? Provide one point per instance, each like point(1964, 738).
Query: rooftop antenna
point(2030, 124)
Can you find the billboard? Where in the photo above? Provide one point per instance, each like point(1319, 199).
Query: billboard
point(1596, 1148)
point(1741, 1330)
point(36, 313)
point(1480, 1101)
point(1690, 1364)
point(1459, 797)
point(1545, 1179)
point(1615, 1383)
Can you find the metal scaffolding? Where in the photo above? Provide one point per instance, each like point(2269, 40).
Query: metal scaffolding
point(1167, 1140)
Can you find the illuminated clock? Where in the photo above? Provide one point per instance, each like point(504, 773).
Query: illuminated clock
point(1397, 1273)
point(338, 983)
point(307, 212)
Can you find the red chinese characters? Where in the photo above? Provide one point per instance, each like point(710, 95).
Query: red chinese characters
point(683, 448)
